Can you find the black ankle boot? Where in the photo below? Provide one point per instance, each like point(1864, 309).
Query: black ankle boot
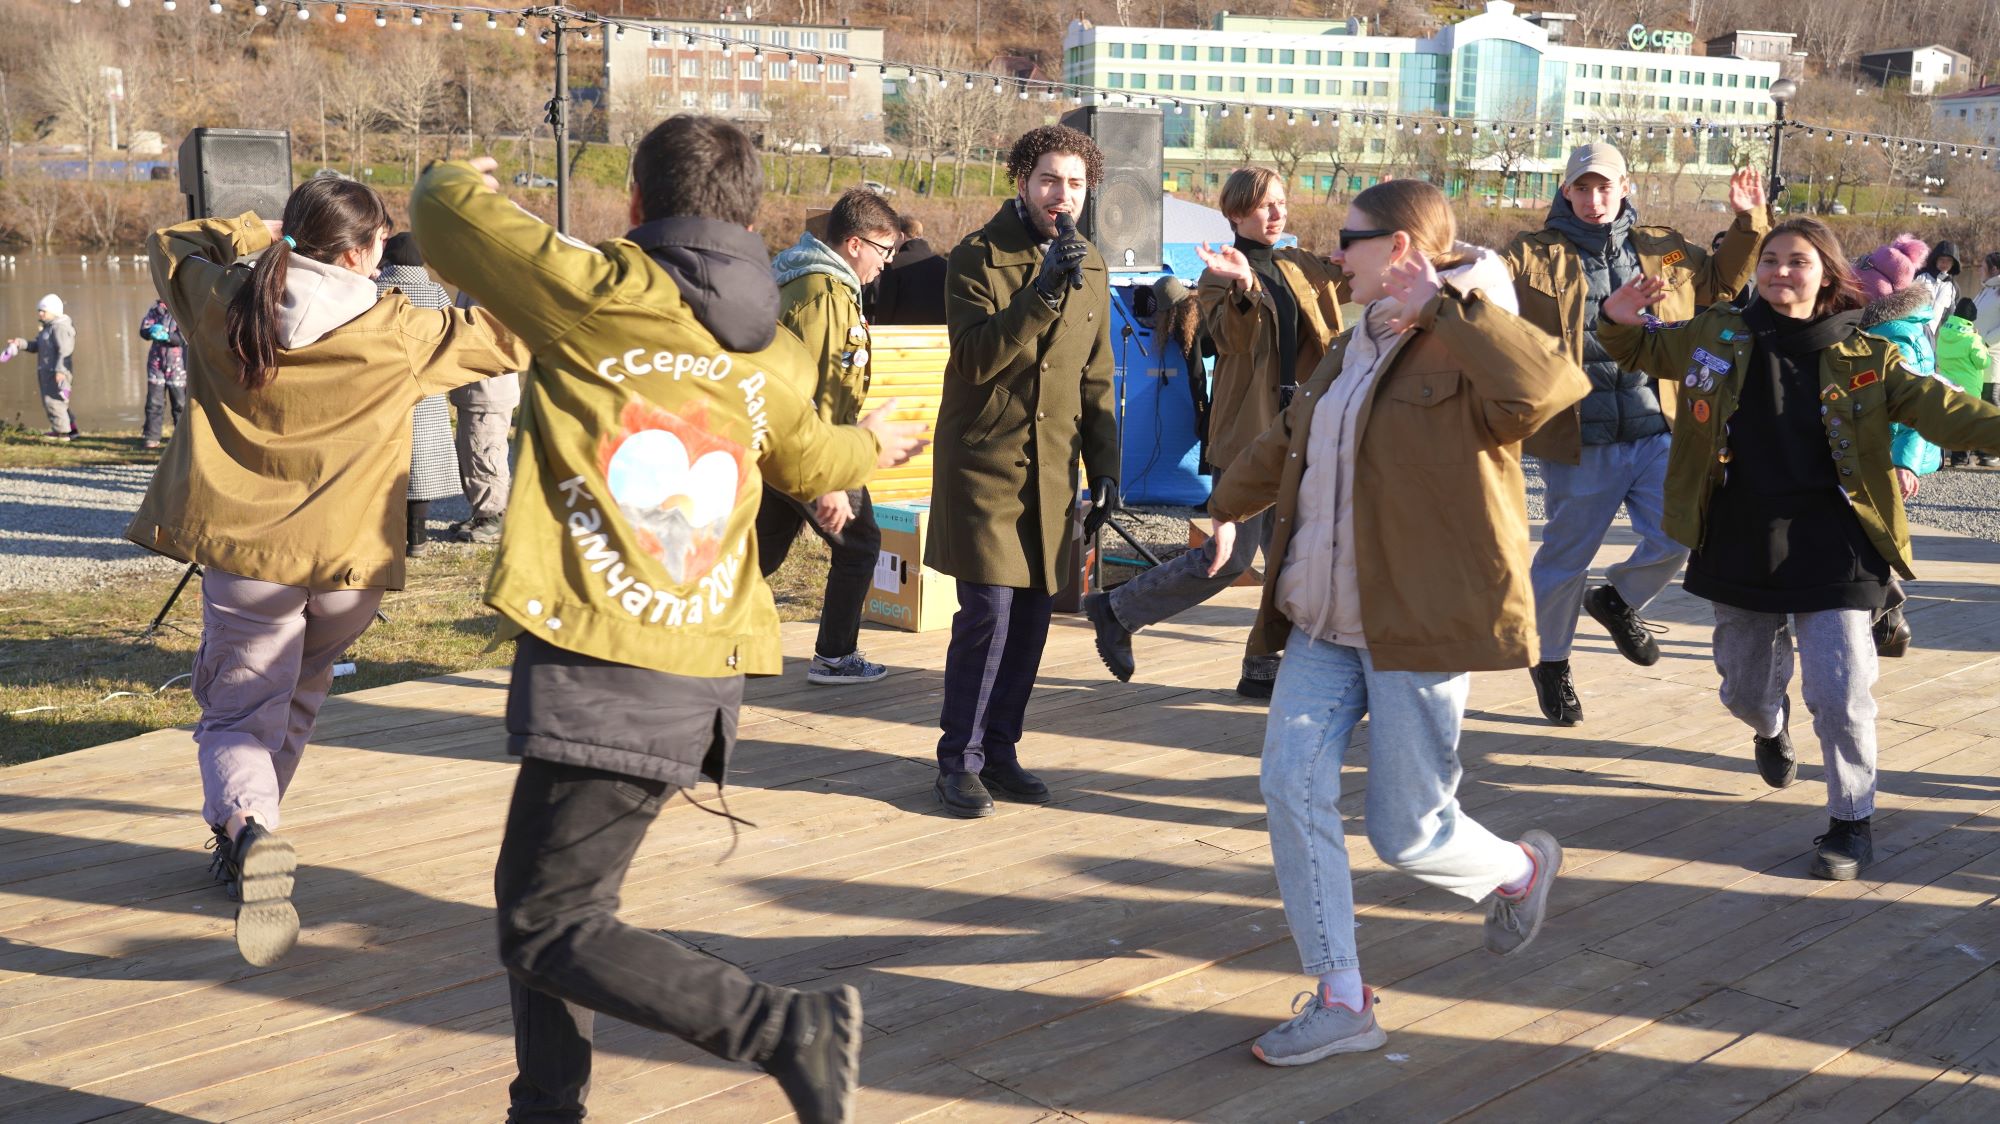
point(818, 1059)
point(1555, 689)
point(1844, 851)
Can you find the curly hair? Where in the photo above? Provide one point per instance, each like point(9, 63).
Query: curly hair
point(1037, 143)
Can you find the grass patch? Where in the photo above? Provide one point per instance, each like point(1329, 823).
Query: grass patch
point(71, 651)
point(23, 447)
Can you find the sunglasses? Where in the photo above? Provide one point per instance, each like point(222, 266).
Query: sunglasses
point(888, 252)
point(1349, 237)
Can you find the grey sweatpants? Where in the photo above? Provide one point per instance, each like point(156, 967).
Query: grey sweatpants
point(1753, 651)
point(55, 401)
point(483, 470)
point(263, 669)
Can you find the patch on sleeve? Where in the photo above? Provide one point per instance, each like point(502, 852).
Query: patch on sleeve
point(1833, 393)
point(1655, 324)
point(1674, 258)
point(1870, 375)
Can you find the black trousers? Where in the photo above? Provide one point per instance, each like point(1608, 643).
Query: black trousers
point(854, 549)
point(997, 637)
point(571, 834)
point(163, 399)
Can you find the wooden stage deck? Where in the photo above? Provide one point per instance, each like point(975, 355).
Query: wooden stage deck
point(1106, 958)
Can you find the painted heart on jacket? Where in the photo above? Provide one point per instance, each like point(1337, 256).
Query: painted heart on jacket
point(676, 484)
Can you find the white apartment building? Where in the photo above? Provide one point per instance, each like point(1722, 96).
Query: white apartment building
point(1507, 88)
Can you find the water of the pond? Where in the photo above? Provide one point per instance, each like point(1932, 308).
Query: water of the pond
point(106, 301)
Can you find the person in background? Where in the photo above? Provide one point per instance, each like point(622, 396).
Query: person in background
point(1271, 313)
point(54, 346)
point(819, 294)
point(1898, 310)
point(1939, 275)
point(1398, 567)
point(166, 371)
point(485, 414)
point(1611, 449)
point(1795, 543)
point(1986, 321)
point(432, 461)
point(911, 289)
point(283, 484)
point(1962, 358)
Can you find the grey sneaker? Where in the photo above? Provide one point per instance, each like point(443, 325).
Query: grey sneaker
point(846, 671)
point(1510, 923)
point(1318, 1029)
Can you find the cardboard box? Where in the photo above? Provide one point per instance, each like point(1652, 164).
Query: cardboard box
point(905, 593)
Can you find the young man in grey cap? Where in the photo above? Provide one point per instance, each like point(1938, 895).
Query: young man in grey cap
point(1611, 449)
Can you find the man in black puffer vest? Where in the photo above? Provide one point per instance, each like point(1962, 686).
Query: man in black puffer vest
point(1611, 450)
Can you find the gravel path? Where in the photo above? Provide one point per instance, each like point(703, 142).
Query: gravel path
point(64, 528)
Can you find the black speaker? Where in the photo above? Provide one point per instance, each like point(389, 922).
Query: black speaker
point(1123, 215)
point(225, 172)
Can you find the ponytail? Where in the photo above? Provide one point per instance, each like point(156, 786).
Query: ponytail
point(252, 324)
point(324, 218)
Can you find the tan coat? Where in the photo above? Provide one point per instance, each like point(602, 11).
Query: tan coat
point(1026, 391)
point(1549, 283)
point(1244, 396)
point(1441, 521)
point(300, 482)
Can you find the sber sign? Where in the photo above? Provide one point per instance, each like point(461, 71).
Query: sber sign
point(1639, 38)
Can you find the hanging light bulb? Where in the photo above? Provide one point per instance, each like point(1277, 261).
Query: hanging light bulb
point(214, 7)
point(124, 3)
point(1270, 115)
point(340, 13)
point(1225, 112)
point(416, 18)
point(968, 82)
point(1024, 93)
point(261, 8)
point(456, 23)
point(492, 21)
point(619, 34)
point(305, 13)
point(996, 87)
point(521, 29)
point(381, 18)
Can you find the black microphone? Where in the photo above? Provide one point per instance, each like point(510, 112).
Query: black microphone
point(1066, 229)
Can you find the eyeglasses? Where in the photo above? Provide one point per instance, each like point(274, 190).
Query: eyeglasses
point(888, 252)
point(1350, 237)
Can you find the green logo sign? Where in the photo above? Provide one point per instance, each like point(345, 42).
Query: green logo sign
point(1639, 38)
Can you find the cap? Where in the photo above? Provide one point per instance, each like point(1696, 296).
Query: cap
point(51, 304)
point(1598, 158)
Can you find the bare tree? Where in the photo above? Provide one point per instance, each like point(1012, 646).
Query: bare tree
point(70, 85)
point(517, 106)
point(412, 72)
point(354, 99)
point(38, 204)
point(1287, 143)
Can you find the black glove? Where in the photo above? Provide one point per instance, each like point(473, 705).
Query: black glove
point(1103, 501)
point(1063, 263)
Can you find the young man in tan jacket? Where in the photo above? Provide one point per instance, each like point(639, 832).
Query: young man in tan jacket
point(1611, 449)
point(1271, 313)
point(662, 397)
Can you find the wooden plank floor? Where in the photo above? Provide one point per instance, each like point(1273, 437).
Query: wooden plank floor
point(1105, 958)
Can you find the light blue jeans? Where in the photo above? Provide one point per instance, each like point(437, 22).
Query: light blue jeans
point(1582, 501)
point(1414, 821)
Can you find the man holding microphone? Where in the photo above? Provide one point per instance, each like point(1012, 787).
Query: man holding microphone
point(1026, 390)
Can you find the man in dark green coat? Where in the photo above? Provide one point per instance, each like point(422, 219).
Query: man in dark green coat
point(1027, 390)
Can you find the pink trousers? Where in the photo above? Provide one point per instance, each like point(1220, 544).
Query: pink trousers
point(263, 669)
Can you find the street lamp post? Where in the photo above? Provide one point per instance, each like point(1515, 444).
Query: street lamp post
point(1782, 92)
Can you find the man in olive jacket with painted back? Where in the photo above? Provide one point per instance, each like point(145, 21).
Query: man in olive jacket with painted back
point(661, 399)
point(1026, 391)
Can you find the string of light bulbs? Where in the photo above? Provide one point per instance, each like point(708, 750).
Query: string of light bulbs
point(542, 21)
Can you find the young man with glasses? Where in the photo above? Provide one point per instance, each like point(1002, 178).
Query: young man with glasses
point(1611, 449)
point(819, 289)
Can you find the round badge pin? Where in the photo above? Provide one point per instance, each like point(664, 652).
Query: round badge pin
point(1701, 412)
